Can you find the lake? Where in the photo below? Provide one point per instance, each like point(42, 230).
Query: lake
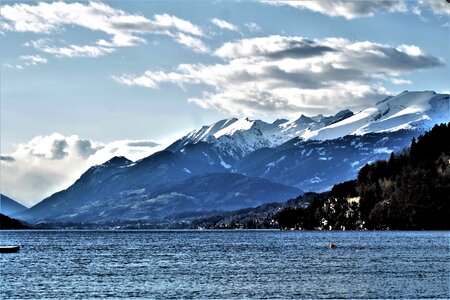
point(225, 264)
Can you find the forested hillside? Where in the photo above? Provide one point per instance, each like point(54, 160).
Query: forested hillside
point(10, 223)
point(411, 190)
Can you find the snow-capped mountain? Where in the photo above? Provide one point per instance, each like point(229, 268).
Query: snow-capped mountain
point(234, 137)
point(408, 110)
point(313, 153)
point(314, 165)
point(239, 137)
point(237, 163)
point(299, 127)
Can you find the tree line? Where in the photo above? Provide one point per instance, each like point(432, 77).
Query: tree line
point(411, 190)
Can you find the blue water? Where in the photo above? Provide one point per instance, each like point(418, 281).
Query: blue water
point(225, 264)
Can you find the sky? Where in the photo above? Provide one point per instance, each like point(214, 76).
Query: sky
point(81, 82)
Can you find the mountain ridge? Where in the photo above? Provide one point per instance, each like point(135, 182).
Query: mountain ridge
point(277, 153)
point(9, 206)
point(319, 127)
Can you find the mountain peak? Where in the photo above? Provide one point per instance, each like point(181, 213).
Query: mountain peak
point(115, 162)
point(239, 125)
point(343, 113)
point(304, 120)
point(278, 122)
point(9, 206)
point(118, 161)
point(416, 110)
point(178, 179)
point(407, 110)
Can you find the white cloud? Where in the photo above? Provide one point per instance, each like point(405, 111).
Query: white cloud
point(78, 51)
point(399, 81)
point(44, 45)
point(440, 7)
point(27, 60)
point(192, 42)
point(47, 164)
point(253, 27)
point(122, 28)
point(168, 22)
point(286, 75)
point(437, 7)
point(131, 149)
point(33, 59)
point(365, 8)
point(17, 66)
point(411, 50)
point(224, 24)
point(347, 9)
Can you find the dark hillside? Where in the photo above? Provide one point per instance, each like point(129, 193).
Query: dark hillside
point(9, 223)
point(410, 191)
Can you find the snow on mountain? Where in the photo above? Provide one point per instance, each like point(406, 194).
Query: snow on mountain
point(236, 137)
point(408, 110)
point(304, 124)
point(250, 159)
point(239, 137)
point(314, 165)
point(205, 132)
point(238, 125)
point(245, 136)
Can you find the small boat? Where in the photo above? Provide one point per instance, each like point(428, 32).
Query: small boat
point(9, 249)
point(332, 246)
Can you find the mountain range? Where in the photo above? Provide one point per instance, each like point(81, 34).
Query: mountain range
point(239, 163)
point(9, 207)
point(409, 191)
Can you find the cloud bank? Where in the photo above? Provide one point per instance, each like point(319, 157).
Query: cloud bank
point(50, 163)
point(285, 75)
point(363, 8)
point(123, 29)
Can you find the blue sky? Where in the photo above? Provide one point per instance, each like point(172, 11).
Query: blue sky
point(106, 73)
